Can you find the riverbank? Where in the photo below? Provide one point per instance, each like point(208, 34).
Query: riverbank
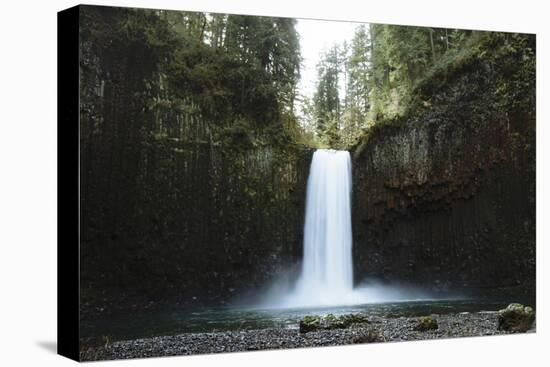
point(374, 330)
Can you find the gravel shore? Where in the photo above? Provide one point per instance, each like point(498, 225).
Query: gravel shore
point(377, 329)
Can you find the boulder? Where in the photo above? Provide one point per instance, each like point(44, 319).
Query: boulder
point(310, 323)
point(329, 322)
point(516, 318)
point(426, 323)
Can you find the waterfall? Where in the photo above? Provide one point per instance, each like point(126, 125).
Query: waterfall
point(327, 269)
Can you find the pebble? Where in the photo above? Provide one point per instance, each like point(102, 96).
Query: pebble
point(379, 329)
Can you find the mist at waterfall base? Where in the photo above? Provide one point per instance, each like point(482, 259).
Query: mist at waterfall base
point(326, 277)
point(322, 284)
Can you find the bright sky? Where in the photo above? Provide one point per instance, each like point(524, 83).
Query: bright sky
point(315, 37)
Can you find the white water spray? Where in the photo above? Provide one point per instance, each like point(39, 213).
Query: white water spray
point(327, 269)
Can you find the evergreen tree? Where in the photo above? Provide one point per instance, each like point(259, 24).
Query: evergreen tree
point(357, 91)
point(326, 98)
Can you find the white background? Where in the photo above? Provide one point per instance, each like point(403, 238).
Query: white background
point(28, 183)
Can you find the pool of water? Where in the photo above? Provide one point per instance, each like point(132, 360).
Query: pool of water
point(185, 320)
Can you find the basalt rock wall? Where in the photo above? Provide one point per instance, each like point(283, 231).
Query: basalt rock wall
point(445, 198)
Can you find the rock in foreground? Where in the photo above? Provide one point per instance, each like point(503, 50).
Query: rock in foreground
point(330, 322)
point(516, 318)
point(377, 329)
point(426, 323)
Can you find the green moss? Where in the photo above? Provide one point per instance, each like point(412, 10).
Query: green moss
point(426, 323)
point(510, 56)
point(310, 319)
point(330, 321)
point(310, 323)
point(458, 83)
point(354, 319)
point(237, 137)
point(383, 126)
point(516, 318)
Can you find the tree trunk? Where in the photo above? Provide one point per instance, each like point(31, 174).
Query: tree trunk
point(432, 44)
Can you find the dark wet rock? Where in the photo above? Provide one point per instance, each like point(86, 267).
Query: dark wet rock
point(368, 336)
point(329, 322)
point(432, 190)
point(516, 318)
point(426, 323)
point(310, 323)
point(354, 318)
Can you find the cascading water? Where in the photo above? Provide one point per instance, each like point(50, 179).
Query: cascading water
point(326, 278)
point(327, 270)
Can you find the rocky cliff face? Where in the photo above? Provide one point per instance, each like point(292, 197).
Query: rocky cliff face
point(242, 223)
point(199, 222)
point(446, 199)
point(240, 220)
point(186, 196)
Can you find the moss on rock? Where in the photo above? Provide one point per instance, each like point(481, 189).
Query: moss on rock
point(516, 318)
point(426, 323)
point(330, 322)
point(310, 323)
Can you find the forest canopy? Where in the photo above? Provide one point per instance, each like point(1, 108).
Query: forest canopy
point(386, 69)
point(241, 73)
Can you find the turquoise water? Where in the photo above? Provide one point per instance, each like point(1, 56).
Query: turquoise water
point(185, 320)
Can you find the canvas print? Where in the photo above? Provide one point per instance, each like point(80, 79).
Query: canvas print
point(253, 182)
